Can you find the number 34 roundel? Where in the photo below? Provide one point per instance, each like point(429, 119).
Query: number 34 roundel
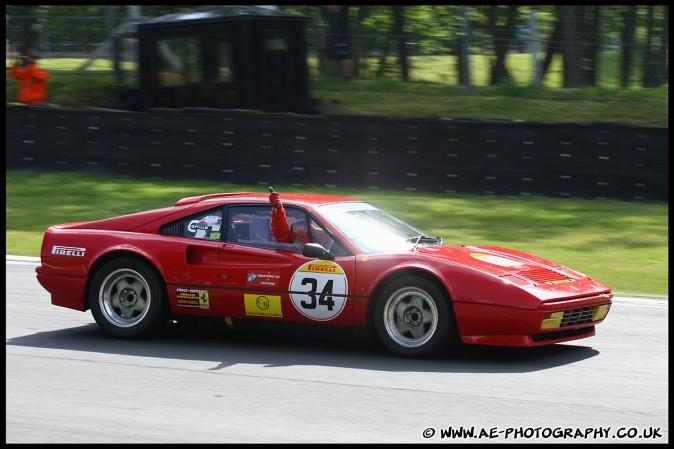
point(318, 290)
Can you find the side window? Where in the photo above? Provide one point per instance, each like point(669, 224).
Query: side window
point(296, 216)
point(251, 225)
point(321, 236)
point(206, 225)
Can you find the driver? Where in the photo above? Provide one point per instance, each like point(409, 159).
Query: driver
point(296, 233)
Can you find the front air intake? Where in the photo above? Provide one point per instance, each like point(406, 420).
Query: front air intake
point(542, 276)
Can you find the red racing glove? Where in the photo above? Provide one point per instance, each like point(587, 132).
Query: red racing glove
point(279, 222)
point(275, 200)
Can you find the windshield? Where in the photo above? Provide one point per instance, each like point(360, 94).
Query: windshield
point(373, 230)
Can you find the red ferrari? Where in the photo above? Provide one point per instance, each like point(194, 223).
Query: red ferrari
point(215, 256)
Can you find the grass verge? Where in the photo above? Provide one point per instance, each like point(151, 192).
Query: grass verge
point(622, 244)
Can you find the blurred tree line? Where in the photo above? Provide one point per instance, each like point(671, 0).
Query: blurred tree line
point(575, 33)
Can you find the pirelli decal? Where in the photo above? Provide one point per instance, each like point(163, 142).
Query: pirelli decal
point(321, 267)
point(68, 251)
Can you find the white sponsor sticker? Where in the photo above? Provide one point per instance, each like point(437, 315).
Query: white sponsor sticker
point(318, 290)
point(68, 251)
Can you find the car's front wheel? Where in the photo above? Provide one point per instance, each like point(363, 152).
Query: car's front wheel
point(127, 298)
point(413, 318)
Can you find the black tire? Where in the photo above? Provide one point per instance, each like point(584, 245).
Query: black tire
point(413, 318)
point(127, 299)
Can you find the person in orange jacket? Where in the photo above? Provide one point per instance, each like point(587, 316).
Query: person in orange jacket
point(32, 79)
point(279, 223)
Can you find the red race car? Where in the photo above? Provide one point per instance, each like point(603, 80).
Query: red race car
point(215, 256)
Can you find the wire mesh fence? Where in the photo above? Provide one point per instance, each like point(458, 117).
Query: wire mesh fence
point(558, 46)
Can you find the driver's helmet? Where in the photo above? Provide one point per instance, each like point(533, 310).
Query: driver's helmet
point(300, 233)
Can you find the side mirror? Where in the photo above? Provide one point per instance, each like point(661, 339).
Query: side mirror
point(317, 251)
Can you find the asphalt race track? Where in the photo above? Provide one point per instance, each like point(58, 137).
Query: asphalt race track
point(66, 382)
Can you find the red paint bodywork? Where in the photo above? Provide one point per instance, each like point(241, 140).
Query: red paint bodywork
point(499, 296)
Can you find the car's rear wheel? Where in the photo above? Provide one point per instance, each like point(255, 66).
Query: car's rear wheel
point(413, 318)
point(127, 298)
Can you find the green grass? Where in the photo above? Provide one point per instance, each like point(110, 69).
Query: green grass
point(483, 106)
point(622, 244)
point(432, 92)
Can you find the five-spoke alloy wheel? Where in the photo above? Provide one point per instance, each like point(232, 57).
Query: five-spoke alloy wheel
point(127, 298)
point(413, 318)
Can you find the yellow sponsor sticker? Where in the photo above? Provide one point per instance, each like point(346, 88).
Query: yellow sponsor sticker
point(496, 260)
point(263, 305)
point(561, 281)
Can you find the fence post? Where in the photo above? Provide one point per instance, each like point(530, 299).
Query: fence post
point(533, 47)
point(465, 49)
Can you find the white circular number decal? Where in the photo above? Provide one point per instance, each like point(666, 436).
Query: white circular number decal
point(318, 290)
